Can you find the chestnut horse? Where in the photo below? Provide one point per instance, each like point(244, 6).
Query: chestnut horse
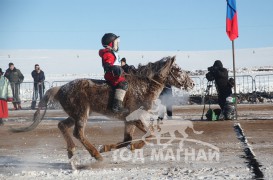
point(80, 97)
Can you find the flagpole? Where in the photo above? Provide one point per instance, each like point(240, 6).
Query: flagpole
point(234, 76)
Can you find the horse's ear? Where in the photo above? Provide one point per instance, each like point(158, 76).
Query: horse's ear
point(173, 60)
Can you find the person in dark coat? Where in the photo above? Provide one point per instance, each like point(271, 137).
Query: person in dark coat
point(220, 74)
point(166, 97)
point(38, 85)
point(126, 68)
point(15, 78)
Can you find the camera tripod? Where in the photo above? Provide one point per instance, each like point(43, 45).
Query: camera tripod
point(208, 93)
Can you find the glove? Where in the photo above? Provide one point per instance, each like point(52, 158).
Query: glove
point(10, 99)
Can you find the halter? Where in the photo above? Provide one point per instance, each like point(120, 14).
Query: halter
point(176, 79)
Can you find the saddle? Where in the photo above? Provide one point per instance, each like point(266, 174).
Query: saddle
point(100, 81)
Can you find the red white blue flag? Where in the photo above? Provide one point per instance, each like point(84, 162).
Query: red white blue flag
point(232, 23)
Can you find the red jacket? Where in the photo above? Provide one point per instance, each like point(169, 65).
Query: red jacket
point(108, 60)
point(107, 57)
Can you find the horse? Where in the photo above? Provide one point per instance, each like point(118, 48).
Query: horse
point(80, 97)
point(177, 78)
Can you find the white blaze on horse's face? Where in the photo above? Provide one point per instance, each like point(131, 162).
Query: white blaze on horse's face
point(179, 78)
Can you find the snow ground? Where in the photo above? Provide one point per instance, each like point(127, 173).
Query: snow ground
point(41, 154)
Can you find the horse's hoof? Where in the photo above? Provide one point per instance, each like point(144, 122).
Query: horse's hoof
point(99, 158)
point(70, 153)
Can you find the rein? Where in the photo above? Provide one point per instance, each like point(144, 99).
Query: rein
point(144, 77)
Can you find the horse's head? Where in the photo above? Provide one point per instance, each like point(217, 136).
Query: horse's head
point(179, 78)
point(158, 71)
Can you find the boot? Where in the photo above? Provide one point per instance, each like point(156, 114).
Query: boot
point(1, 122)
point(118, 102)
point(14, 106)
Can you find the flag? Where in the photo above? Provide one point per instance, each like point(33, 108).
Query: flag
point(232, 23)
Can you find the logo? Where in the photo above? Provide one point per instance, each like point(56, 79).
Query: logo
point(167, 140)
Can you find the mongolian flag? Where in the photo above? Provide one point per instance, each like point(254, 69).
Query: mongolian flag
point(232, 23)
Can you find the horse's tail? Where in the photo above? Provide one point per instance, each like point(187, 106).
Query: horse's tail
point(38, 116)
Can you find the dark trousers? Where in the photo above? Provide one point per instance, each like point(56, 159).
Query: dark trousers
point(222, 100)
point(166, 98)
point(16, 92)
point(38, 92)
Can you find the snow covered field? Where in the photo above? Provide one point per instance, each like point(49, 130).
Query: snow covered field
point(41, 154)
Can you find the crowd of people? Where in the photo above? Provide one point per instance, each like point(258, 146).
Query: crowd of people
point(114, 70)
point(10, 88)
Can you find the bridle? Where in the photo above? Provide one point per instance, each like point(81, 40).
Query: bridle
point(176, 79)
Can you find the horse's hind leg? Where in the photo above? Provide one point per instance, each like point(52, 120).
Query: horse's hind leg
point(128, 133)
point(64, 126)
point(79, 134)
point(140, 144)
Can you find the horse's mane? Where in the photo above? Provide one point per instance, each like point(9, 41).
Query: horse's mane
point(151, 69)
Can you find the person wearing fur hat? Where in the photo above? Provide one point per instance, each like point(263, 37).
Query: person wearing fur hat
point(224, 87)
point(15, 77)
point(5, 95)
point(113, 73)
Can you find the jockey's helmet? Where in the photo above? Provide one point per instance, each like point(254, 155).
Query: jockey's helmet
point(110, 40)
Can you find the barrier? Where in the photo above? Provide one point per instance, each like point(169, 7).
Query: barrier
point(245, 84)
point(27, 88)
point(197, 89)
point(264, 83)
point(58, 83)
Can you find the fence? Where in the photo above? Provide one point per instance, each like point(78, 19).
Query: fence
point(244, 83)
point(198, 88)
point(58, 83)
point(27, 89)
point(264, 83)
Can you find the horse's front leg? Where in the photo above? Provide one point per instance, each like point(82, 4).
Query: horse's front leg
point(128, 136)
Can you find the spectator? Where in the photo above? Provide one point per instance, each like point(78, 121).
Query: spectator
point(15, 77)
point(166, 97)
point(38, 85)
point(5, 95)
point(126, 68)
point(220, 74)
